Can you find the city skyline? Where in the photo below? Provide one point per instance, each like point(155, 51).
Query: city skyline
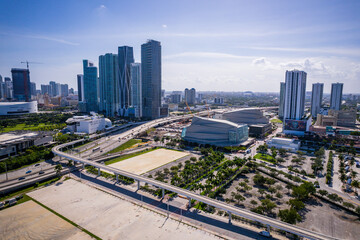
point(249, 49)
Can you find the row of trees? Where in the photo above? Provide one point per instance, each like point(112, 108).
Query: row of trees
point(31, 155)
point(329, 168)
point(36, 119)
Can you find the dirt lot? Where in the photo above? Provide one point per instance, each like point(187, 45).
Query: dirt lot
point(31, 221)
point(318, 215)
point(110, 217)
point(148, 161)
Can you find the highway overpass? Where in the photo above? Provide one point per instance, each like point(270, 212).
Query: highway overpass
point(190, 195)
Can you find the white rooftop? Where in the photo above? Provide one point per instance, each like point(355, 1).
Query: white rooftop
point(10, 137)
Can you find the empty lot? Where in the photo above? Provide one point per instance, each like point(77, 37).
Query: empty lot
point(110, 217)
point(31, 221)
point(148, 161)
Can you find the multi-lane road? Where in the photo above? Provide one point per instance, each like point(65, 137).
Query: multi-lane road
point(183, 192)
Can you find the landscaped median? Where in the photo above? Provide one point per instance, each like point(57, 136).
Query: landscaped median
point(265, 157)
point(126, 145)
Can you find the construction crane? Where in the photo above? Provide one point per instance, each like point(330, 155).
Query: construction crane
point(187, 106)
point(208, 108)
point(27, 63)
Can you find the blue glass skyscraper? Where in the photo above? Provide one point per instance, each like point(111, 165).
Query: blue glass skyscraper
point(90, 87)
point(151, 78)
point(21, 84)
point(125, 58)
point(136, 92)
point(108, 84)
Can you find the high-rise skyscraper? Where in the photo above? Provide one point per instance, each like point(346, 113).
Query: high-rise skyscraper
point(64, 90)
point(80, 84)
point(295, 85)
point(45, 89)
point(52, 88)
point(33, 88)
point(126, 58)
point(21, 84)
point(90, 94)
point(316, 98)
point(282, 100)
point(336, 96)
point(136, 93)
point(108, 85)
point(8, 88)
point(151, 78)
point(57, 89)
point(1, 87)
point(190, 96)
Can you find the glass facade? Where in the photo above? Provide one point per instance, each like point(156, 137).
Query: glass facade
point(126, 58)
point(151, 79)
point(108, 86)
point(21, 84)
point(90, 86)
point(136, 93)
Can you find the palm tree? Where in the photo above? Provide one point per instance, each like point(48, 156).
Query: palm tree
point(58, 169)
point(355, 184)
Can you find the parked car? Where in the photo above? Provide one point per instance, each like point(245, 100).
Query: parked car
point(2, 204)
point(12, 201)
point(265, 234)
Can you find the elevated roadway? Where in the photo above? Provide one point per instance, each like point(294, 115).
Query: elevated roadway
point(183, 192)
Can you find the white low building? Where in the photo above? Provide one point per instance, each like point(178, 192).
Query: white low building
point(18, 108)
point(284, 143)
point(88, 124)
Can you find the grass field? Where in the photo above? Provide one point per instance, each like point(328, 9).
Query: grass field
point(275, 120)
point(23, 126)
point(128, 156)
point(265, 157)
point(126, 145)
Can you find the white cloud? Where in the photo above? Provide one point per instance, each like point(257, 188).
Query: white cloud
point(48, 38)
point(164, 26)
point(102, 7)
point(336, 51)
point(226, 72)
point(205, 55)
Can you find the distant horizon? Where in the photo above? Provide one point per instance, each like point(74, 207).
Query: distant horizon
point(207, 44)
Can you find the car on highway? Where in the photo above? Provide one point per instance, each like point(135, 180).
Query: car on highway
point(41, 172)
point(21, 178)
point(38, 164)
point(265, 234)
point(27, 172)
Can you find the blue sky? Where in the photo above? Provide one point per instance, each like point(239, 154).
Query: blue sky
point(227, 45)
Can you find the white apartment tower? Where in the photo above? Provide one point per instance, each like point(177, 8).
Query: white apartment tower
point(295, 87)
point(316, 98)
point(336, 96)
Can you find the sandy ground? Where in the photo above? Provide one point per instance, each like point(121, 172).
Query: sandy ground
point(31, 221)
point(331, 221)
point(148, 161)
point(110, 217)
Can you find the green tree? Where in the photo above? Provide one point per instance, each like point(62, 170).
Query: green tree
point(289, 216)
point(323, 192)
point(268, 205)
point(58, 169)
point(239, 198)
point(296, 204)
